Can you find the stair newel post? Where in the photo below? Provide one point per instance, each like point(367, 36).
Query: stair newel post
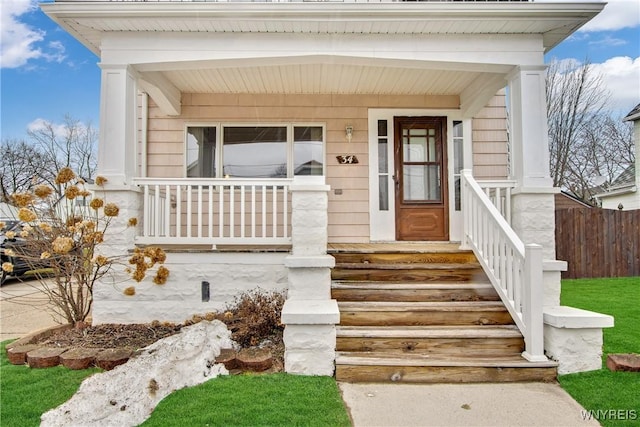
point(533, 296)
point(309, 314)
point(465, 207)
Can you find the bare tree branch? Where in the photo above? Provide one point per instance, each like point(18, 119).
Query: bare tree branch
point(20, 169)
point(587, 145)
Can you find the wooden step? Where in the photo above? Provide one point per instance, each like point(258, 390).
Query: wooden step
point(389, 291)
point(456, 273)
point(380, 367)
point(452, 340)
point(423, 313)
point(404, 258)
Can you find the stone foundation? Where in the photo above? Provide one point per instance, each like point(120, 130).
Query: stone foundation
point(228, 275)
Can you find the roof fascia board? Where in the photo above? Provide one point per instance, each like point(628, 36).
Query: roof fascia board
point(617, 191)
point(329, 11)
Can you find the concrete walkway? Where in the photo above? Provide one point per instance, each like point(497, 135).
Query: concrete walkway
point(23, 310)
point(505, 404)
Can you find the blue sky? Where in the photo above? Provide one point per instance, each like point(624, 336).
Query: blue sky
point(46, 74)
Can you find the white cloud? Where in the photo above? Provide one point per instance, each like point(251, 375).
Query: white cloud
point(617, 14)
point(59, 129)
point(19, 42)
point(621, 76)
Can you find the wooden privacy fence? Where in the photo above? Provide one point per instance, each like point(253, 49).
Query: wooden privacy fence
point(598, 242)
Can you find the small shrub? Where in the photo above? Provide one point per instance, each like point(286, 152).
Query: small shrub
point(254, 316)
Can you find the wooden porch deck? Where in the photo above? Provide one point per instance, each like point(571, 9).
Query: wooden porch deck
point(395, 247)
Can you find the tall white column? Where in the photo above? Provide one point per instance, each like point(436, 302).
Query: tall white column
point(117, 146)
point(533, 216)
point(117, 163)
point(529, 129)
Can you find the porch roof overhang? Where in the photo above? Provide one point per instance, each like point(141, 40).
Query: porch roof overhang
point(89, 20)
point(106, 27)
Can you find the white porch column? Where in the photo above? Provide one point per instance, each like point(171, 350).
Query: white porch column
point(117, 146)
point(117, 163)
point(572, 337)
point(309, 314)
point(533, 207)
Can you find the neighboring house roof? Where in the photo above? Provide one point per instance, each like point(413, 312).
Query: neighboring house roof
point(633, 115)
point(624, 183)
point(627, 177)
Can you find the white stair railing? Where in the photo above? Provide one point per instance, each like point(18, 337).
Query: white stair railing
point(514, 269)
point(499, 192)
point(215, 211)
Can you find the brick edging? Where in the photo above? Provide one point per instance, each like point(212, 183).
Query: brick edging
point(38, 335)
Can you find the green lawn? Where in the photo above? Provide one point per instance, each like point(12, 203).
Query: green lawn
point(26, 393)
point(244, 400)
point(255, 400)
point(604, 390)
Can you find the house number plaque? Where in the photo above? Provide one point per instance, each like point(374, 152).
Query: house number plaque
point(349, 159)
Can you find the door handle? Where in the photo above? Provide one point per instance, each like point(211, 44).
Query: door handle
point(396, 180)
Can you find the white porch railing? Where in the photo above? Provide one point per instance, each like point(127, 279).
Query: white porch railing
point(215, 211)
point(499, 192)
point(515, 269)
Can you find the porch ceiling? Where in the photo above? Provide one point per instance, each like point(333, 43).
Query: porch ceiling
point(90, 20)
point(322, 78)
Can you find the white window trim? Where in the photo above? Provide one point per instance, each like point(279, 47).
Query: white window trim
point(219, 126)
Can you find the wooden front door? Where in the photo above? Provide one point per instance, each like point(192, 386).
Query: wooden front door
point(420, 149)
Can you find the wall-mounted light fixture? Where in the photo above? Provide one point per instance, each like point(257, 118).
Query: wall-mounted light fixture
point(349, 132)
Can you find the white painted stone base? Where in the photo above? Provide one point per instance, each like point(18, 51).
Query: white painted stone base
point(228, 274)
point(573, 338)
point(310, 336)
point(310, 349)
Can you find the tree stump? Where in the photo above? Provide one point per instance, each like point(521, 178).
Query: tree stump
point(255, 359)
point(18, 355)
point(110, 358)
point(228, 357)
point(79, 358)
point(624, 362)
point(44, 357)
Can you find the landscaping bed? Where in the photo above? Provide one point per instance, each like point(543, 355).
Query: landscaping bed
point(109, 345)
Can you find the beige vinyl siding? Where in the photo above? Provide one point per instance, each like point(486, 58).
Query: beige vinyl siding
point(349, 195)
point(490, 142)
point(348, 211)
point(140, 160)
